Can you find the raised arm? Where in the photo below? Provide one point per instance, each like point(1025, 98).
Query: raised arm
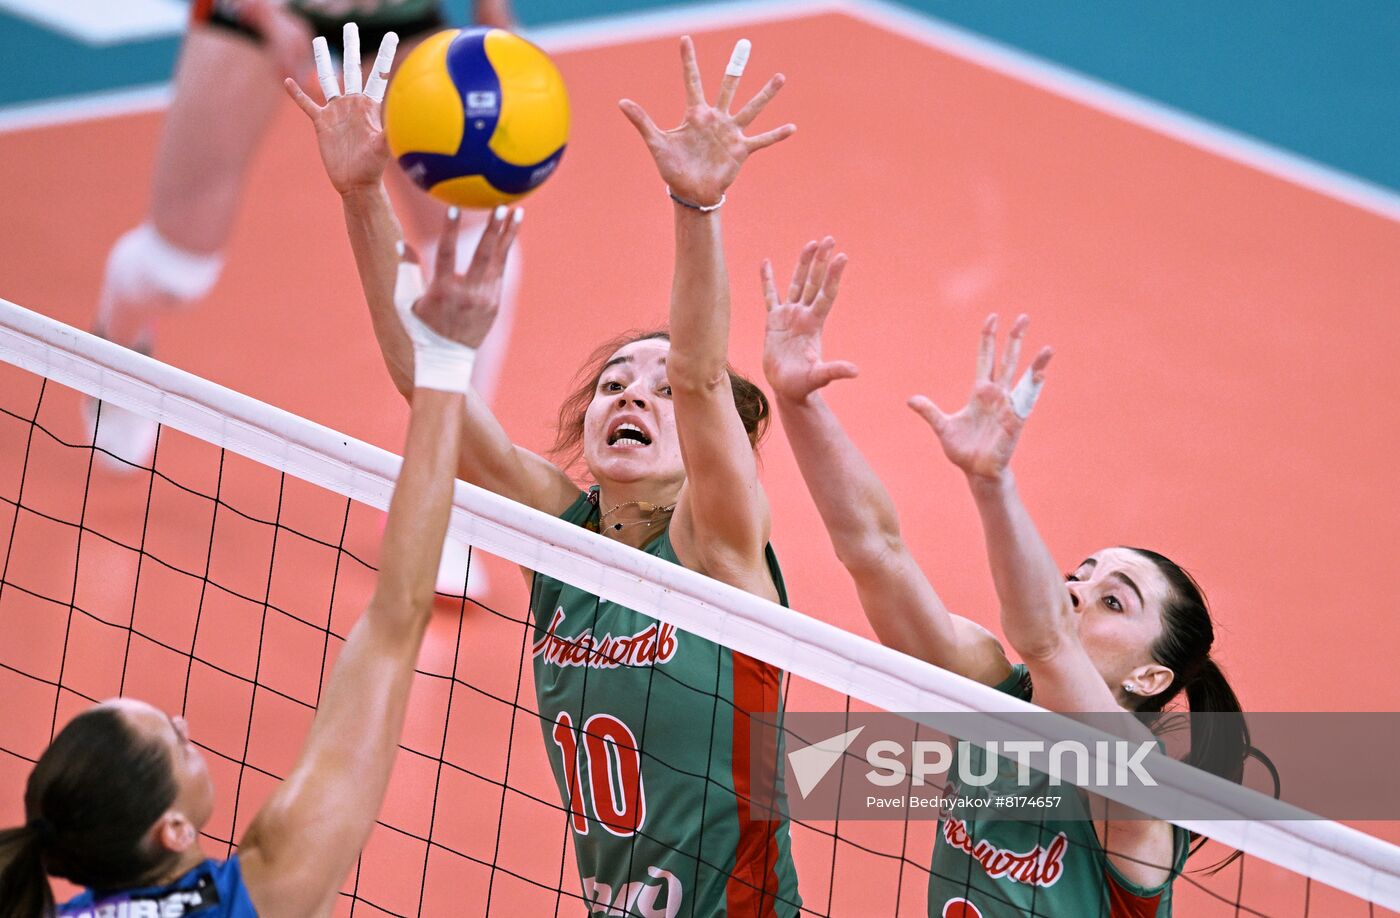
point(353, 149)
point(859, 516)
point(1037, 614)
point(721, 520)
point(305, 839)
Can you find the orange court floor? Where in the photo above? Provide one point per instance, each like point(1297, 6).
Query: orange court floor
point(1225, 359)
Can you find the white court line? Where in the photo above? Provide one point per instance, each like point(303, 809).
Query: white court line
point(1155, 116)
point(104, 22)
point(92, 107)
point(1020, 65)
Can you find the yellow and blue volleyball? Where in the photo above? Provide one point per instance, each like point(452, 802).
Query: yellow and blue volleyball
point(477, 117)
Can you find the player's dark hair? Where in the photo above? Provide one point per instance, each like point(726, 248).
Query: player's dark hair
point(749, 399)
point(1219, 744)
point(90, 801)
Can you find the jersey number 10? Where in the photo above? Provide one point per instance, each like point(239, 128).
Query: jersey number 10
point(614, 765)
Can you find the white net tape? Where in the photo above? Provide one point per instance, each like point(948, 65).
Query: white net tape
point(1331, 853)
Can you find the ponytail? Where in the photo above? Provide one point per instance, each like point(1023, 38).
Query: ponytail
point(24, 887)
point(91, 801)
point(1219, 743)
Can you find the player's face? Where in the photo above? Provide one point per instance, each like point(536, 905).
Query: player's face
point(194, 796)
point(1118, 596)
point(629, 430)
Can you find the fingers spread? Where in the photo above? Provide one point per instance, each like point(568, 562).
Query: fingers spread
point(1012, 355)
point(1042, 360)
point(925, 408)
point(767, 139)
point(837, 369)
point(818, 273)
point(302, 100)
point(350, 58)
point(738, 60)
point(383, 63)
point(446, 262)
point(987, 348)
point(325, 72)
point(509, 231)
point(694, 89)
point(760, 100)
point(831, 285)
point(1024, 396)
point(639, 118)
point(799, 273)
point(770, 289)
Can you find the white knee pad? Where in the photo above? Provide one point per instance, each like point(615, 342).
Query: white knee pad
point(144, 265)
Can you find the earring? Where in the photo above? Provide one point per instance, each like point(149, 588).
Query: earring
point(1129, 688)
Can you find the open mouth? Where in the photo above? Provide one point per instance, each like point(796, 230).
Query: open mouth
point(629, 435)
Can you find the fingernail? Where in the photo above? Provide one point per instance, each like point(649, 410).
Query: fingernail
point(454, 212)
point(500, 213)
point(519, 215)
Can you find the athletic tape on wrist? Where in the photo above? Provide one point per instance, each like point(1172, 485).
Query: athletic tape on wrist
point(438, 362)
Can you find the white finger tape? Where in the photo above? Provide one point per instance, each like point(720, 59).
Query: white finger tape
point(325, 71)
point(350, 54)
point(1023, 397)
point(739, 59)
point(408, 287)
point(383, 63)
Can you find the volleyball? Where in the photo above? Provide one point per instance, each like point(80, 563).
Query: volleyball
point(477, 117)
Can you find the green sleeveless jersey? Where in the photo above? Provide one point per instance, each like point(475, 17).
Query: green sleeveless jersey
point(990, 867)
point(647, 729)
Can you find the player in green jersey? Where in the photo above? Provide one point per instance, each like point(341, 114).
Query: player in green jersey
point(647, 727)
point(1127, 629)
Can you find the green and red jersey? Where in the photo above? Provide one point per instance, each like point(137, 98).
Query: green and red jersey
point(648, 732)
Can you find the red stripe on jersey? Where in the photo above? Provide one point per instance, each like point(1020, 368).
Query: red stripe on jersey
point(753, 887)
point(1123, 904)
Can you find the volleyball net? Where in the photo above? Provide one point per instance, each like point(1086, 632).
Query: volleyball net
point(220, 582)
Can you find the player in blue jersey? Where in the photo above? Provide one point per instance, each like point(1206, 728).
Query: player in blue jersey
point(117, 802)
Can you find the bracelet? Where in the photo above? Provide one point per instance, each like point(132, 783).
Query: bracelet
point(703, 208)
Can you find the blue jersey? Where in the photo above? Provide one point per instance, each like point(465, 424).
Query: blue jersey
point(212, 890)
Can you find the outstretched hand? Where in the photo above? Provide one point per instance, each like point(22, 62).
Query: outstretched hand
point(459, 308)
point(349, 129)
point(981, 438)
point(701, 158)
point(792, 342)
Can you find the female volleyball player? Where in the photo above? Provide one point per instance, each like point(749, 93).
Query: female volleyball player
point(225, 95)
point(117, 801)
point(1127, 629)
point(647, 728)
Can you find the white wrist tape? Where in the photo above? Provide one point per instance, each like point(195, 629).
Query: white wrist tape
point(1024, 395)
point(438, 362)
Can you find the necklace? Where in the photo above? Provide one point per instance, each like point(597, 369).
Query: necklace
point(643, 505)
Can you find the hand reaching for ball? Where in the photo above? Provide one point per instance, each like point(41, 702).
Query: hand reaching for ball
point(701, 158)
point(349, 127)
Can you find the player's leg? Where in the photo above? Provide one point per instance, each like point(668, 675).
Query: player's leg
point(225, 92)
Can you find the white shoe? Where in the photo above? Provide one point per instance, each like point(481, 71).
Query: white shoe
point(453, 571)
point(125, 440)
